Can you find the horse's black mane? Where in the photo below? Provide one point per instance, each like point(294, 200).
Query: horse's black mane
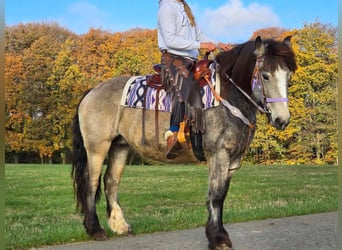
point(242, 57)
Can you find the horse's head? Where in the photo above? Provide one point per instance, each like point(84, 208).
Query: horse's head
point(274, 66)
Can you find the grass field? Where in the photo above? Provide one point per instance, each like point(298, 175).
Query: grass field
point(40, 206)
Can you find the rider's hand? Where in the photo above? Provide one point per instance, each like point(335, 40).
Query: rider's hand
point(208, 46)
point(224, 46)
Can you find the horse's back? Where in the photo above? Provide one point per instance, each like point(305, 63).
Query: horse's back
point(108, 91)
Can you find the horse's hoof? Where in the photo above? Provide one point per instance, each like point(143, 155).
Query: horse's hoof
point(100, 236)
point(220, 247)
point(130, 231)
point(223, 247)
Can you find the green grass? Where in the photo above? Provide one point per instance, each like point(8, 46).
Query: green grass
point(40, 206)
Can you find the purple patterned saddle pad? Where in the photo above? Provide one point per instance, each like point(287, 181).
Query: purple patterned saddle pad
point(134, 95)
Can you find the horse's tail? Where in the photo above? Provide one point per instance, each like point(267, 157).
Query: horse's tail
point(79, 172)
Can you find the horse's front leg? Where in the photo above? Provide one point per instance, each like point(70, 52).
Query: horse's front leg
point(116, 163)
point(219, 180)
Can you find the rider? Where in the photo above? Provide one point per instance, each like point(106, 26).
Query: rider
point(179, 40)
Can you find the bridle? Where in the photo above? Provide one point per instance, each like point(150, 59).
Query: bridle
point(258, 89)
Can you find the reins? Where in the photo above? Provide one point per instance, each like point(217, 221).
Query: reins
point(261, 109)
point(234, 110)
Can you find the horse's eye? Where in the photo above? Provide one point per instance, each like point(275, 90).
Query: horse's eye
point(265, 76)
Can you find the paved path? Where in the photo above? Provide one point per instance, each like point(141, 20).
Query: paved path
point(314, 232)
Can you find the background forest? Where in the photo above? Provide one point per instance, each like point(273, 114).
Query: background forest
point(48, 68)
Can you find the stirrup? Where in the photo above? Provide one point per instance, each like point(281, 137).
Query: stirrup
point(183, 136)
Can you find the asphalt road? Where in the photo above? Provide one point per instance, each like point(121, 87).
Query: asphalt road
point(314, 232)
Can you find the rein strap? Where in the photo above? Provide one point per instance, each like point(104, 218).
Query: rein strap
point(234, 110)
point(262, 110)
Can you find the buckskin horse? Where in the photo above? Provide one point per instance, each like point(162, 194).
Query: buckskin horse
point(252, 77)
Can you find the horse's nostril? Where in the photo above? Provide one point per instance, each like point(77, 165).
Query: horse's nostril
point(280, 123)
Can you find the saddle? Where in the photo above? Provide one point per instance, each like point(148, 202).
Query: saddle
point(200, 70)
point(186, 136)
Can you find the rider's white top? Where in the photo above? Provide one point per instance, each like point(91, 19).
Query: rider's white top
point(175, 33)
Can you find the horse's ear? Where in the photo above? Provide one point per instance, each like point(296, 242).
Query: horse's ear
point(259, 47)
point(287, 41)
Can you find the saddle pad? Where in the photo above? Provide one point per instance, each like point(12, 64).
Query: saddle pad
point(133, 95)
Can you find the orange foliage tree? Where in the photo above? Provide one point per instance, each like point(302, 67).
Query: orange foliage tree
point(48, 68)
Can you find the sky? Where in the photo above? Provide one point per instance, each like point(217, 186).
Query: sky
point(232, 21)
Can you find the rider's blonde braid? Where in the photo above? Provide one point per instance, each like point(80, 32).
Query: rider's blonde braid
point(188, 12)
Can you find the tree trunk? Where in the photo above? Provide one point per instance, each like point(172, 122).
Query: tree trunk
point(63, 156)
point(15, 157)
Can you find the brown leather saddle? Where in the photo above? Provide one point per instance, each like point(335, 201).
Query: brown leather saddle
point(200, 70)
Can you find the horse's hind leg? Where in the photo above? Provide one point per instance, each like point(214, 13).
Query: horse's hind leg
point(91, 221)
point(116, 163)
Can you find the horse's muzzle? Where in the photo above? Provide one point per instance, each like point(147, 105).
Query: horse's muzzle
point(280, 124)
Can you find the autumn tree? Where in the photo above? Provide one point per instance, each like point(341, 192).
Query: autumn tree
point(22, 36)
point(16, 118)
point(269, 144)
point(37, 46)
point(315, 83)
point(269, 33)
point(138, 52)
point(49, 68)
point(311, 134)
point(95, 52)
point(65, 84)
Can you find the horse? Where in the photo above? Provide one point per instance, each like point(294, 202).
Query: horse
point(253, 77)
